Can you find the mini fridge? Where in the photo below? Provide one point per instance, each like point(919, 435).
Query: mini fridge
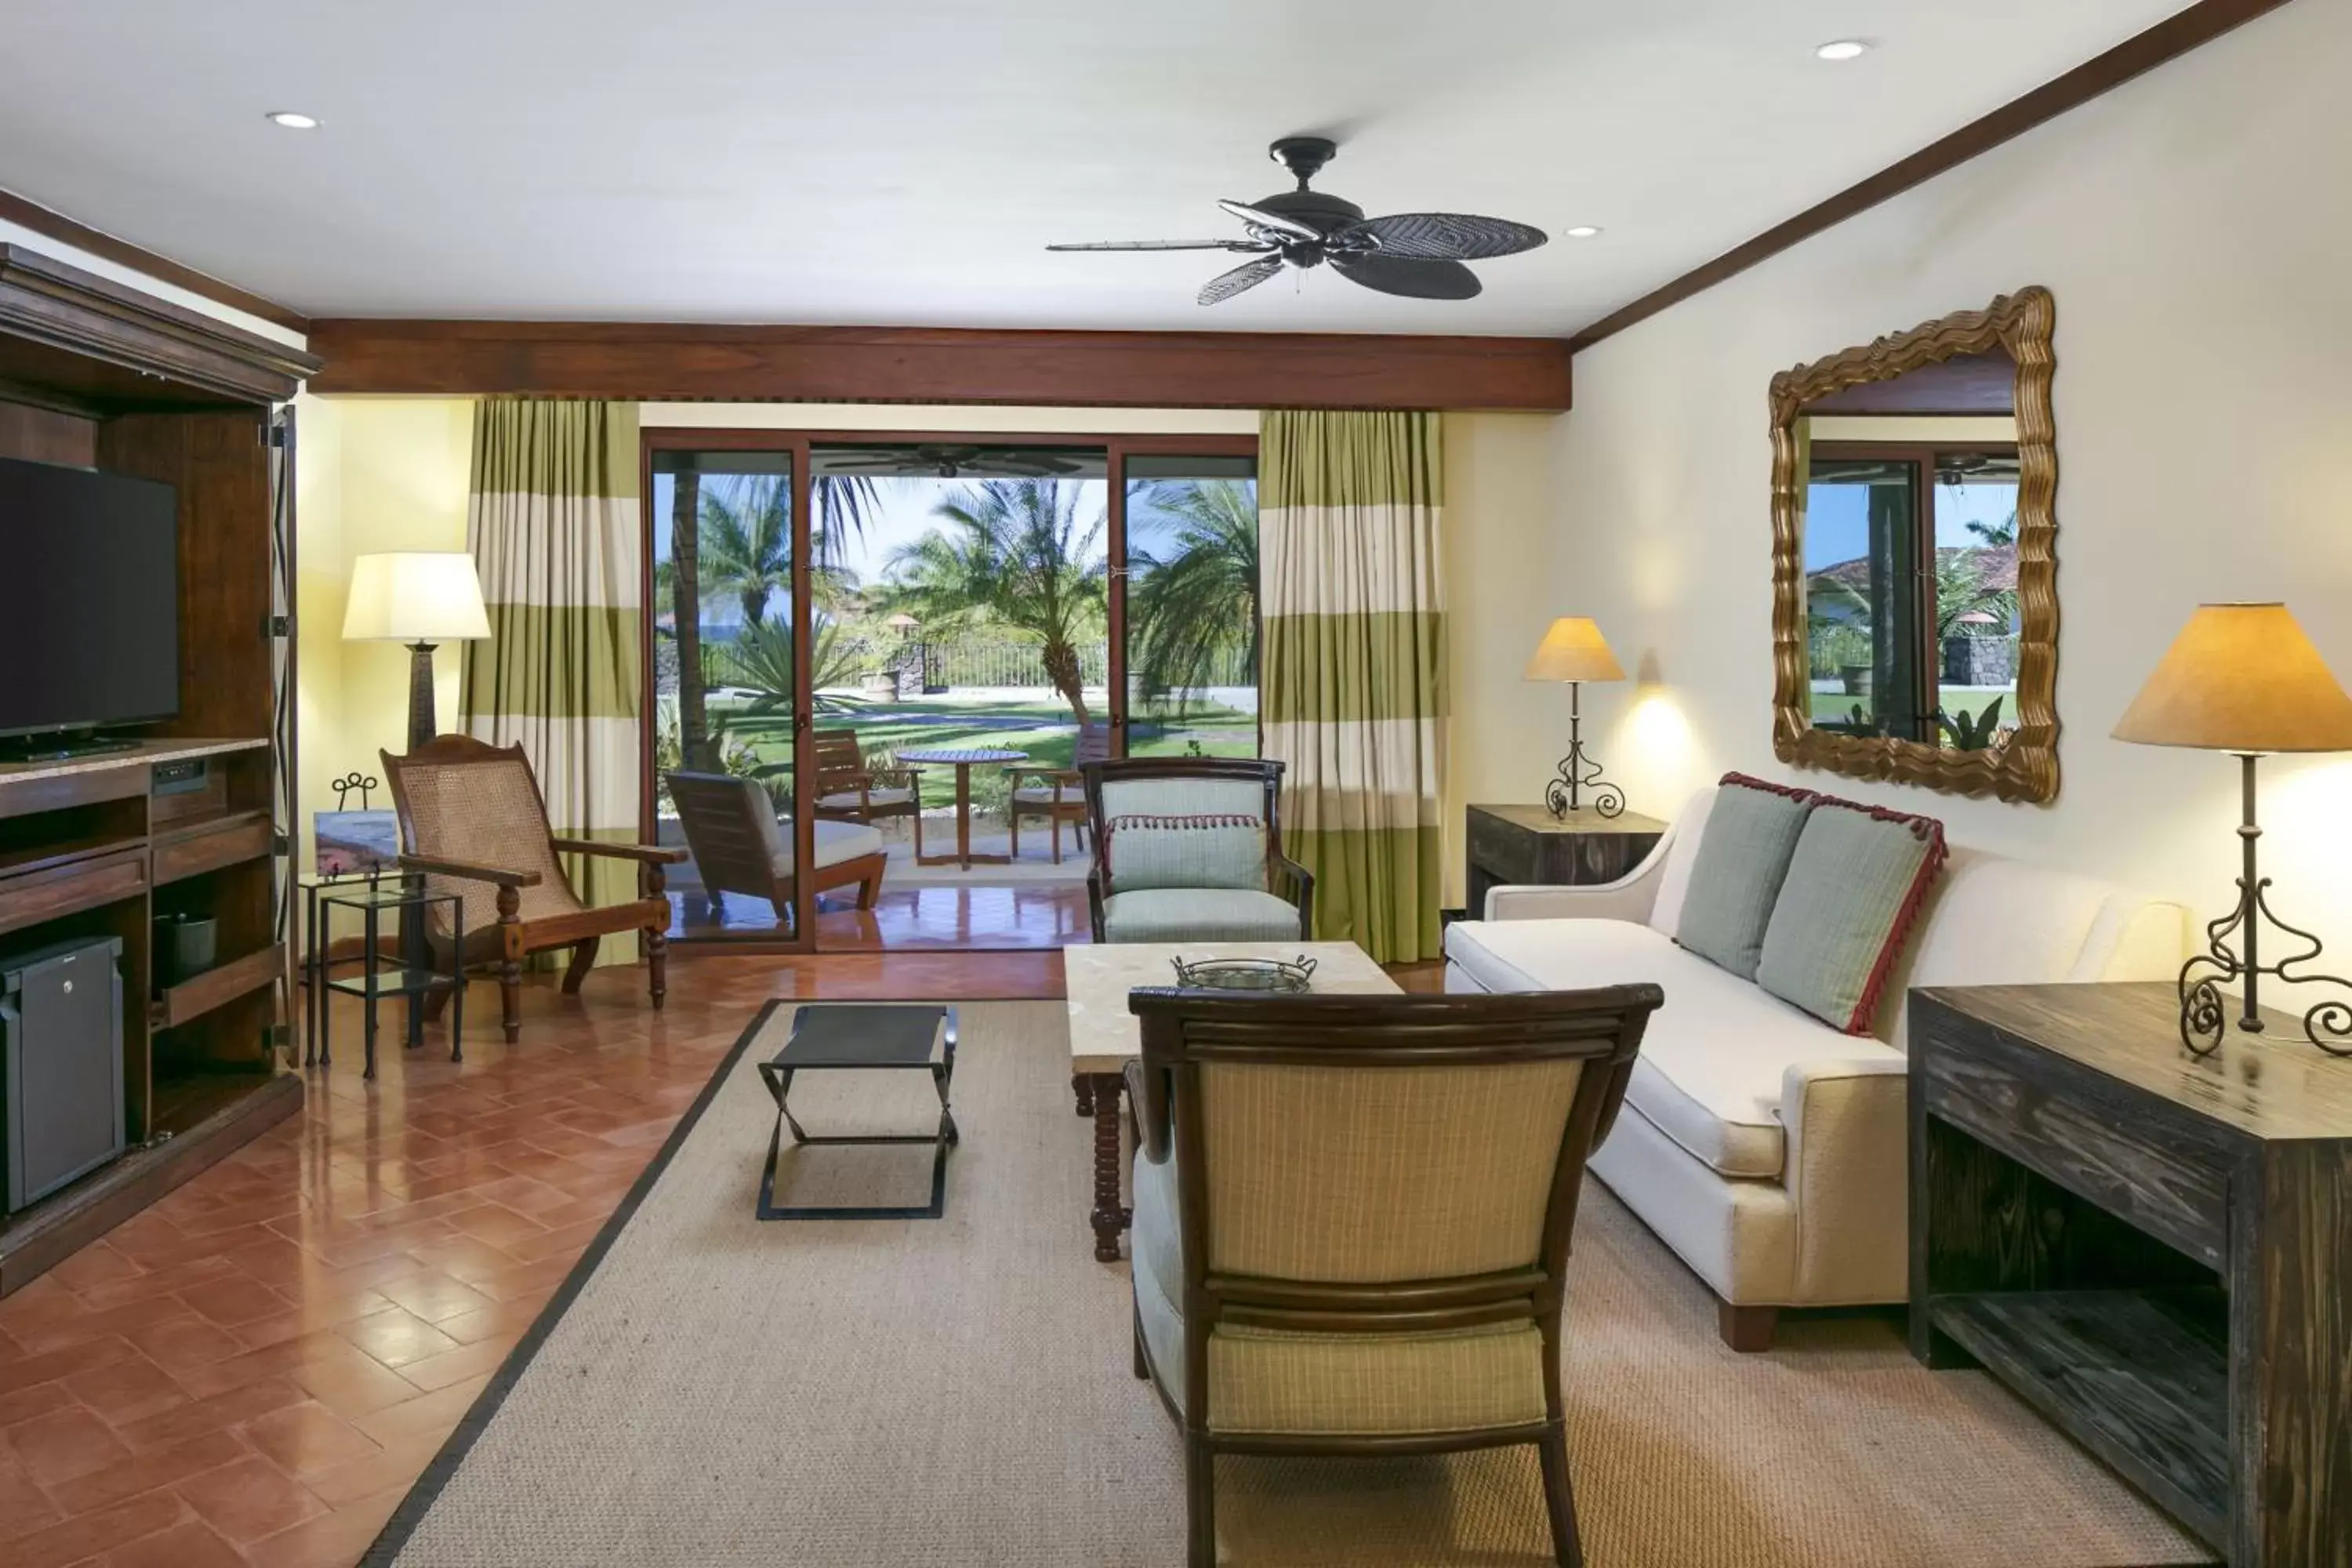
point(60, 1064)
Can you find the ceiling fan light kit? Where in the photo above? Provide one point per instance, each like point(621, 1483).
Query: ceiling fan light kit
point(1416, 255)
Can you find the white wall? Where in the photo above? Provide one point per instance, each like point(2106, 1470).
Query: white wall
point(2195, 227)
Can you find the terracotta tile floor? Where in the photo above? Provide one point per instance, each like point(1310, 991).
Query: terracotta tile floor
point(254, 1369)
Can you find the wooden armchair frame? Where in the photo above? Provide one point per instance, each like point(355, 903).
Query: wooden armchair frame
point(1285, 879)
point(1093, 746)
point(1183, 1030)
point(732, 851)
point(841, 768)
point(581, 930)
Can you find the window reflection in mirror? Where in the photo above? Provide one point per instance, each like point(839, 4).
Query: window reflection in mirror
point(1909, 525)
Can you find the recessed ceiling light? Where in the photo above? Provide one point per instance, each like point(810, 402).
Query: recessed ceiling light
point(1582, 231)
point(1842, 49)
point(291, 121)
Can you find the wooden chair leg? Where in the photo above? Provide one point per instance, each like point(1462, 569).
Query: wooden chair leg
point(1747, 1329)
point(583, 959)
point(436, 1004)
point(870, 889)
point(1057, 838)
point(1199, 1504)
point(1013, 824)
point(510, 965)
point(1559, 1499)
point(657, 964)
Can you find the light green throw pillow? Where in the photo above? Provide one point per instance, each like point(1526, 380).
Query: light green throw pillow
point(1203, 850)
point(1853, 889)
point(1743, 852)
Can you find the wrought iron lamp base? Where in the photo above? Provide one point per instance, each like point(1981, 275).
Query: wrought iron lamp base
point(1578, 774)
point(2204, 1009)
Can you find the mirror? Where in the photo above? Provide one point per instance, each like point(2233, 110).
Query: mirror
point(1914, 563)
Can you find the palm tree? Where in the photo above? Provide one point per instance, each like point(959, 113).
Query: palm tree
point(746, 540)
point(1015, 551)
point(1960, 590)
point(684, 596)
point(1199, 603)
point(1997, 534)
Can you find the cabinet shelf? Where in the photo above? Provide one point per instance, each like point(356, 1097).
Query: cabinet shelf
point(207, 844)
point(200, 993)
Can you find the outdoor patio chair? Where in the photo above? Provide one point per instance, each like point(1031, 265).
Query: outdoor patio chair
point(1190, 849)
point(1352, 1221)
point(473, 821)
point(741, 846)
point(849, 791)
point(1059, 794)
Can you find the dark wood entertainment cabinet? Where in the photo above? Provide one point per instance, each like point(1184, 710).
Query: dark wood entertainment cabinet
point(2155, 1251)
point(97, 374)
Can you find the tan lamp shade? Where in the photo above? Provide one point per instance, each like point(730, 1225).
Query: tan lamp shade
point(1573, 649)
point(2241, 678)
point(415, 597)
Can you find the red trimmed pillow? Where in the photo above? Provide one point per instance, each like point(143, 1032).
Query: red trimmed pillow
point(1855, 889)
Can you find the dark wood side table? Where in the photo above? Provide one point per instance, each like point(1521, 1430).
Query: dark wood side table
point(1525, 844)
point(2150, 1250)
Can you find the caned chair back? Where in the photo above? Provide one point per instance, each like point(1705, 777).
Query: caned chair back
point(1349, 1143)
point(730, 827)
point(462, 799)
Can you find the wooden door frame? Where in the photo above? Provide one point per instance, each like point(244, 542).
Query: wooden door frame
point(1117, 448)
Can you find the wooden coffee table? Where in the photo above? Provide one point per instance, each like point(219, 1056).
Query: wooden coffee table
point(1105, 1037)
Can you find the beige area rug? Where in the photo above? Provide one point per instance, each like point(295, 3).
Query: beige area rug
point(955, 1392)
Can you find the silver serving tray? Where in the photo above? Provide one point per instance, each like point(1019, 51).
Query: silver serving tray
point(1262, 974)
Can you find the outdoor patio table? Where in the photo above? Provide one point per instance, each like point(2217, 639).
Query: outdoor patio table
point(963, 762)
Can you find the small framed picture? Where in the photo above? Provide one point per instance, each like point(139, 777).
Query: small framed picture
point(351, 843)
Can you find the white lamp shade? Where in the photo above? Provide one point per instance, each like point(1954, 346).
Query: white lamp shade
point(415, 597)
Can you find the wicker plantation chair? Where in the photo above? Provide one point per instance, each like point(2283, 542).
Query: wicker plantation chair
point(473, 821)
point(1059, 794)
point(739, 846)
point(849, 791)
point(1190, 849)
point(1352, 1218)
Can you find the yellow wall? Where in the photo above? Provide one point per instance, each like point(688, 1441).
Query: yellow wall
point(371, 474)
point(2192, 226)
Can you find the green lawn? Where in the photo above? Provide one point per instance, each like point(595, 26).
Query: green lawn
point(1044, 730)
point(1836, 708)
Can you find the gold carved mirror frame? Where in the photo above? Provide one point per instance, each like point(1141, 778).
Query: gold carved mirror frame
point(2026, 767)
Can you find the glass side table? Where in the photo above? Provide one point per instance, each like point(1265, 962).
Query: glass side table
point(411, 977)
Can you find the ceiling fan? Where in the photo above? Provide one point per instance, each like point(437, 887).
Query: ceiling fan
point(1417, 254)
point(947, 462)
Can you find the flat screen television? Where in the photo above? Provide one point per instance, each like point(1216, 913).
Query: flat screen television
point(90, 601)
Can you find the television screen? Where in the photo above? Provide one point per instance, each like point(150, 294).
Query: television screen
point(90, 599)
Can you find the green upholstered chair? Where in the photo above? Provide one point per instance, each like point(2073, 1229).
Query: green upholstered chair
point(1189, 850)
point(1352, 1218)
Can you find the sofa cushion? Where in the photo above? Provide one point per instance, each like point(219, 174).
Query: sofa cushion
point(835, 842)
point(1743, 853)
point(1709, 1073)
point(1198, 914)
point(1855, 887)
point(849, 800)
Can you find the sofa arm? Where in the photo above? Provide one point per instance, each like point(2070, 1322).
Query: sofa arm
point(1630, 896)
point(1848, 1174)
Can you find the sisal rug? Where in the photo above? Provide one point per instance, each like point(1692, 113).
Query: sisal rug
point(953, 1393)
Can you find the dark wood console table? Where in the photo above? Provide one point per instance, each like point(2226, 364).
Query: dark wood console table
point(1527, 844)
point(2151, 1250)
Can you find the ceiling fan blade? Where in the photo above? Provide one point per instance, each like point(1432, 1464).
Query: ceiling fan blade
point(1259, 218)
point(1442, 236)
point(1247, 245)
point(1248, 275)
point(1413, 278)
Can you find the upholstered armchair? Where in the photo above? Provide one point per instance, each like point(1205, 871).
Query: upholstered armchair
point(1352, 1220)
point(741, 846)
point(1190, 849)
point(473, 822)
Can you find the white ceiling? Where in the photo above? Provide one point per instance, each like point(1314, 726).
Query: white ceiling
point(903, 162)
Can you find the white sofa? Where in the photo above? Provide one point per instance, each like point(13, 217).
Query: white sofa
point(1765, 1148)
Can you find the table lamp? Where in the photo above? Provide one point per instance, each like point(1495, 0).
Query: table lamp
point(420, 599)
point(2244, 679)
point(1574, 650)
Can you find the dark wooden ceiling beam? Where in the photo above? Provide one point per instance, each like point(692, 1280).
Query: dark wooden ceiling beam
point(2175, 35)
point(876, 364)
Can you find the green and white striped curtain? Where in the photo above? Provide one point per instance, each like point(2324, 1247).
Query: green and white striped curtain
point(1353, 689)
point(555, 531)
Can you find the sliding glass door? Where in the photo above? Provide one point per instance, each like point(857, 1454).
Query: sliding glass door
point(916, 637)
